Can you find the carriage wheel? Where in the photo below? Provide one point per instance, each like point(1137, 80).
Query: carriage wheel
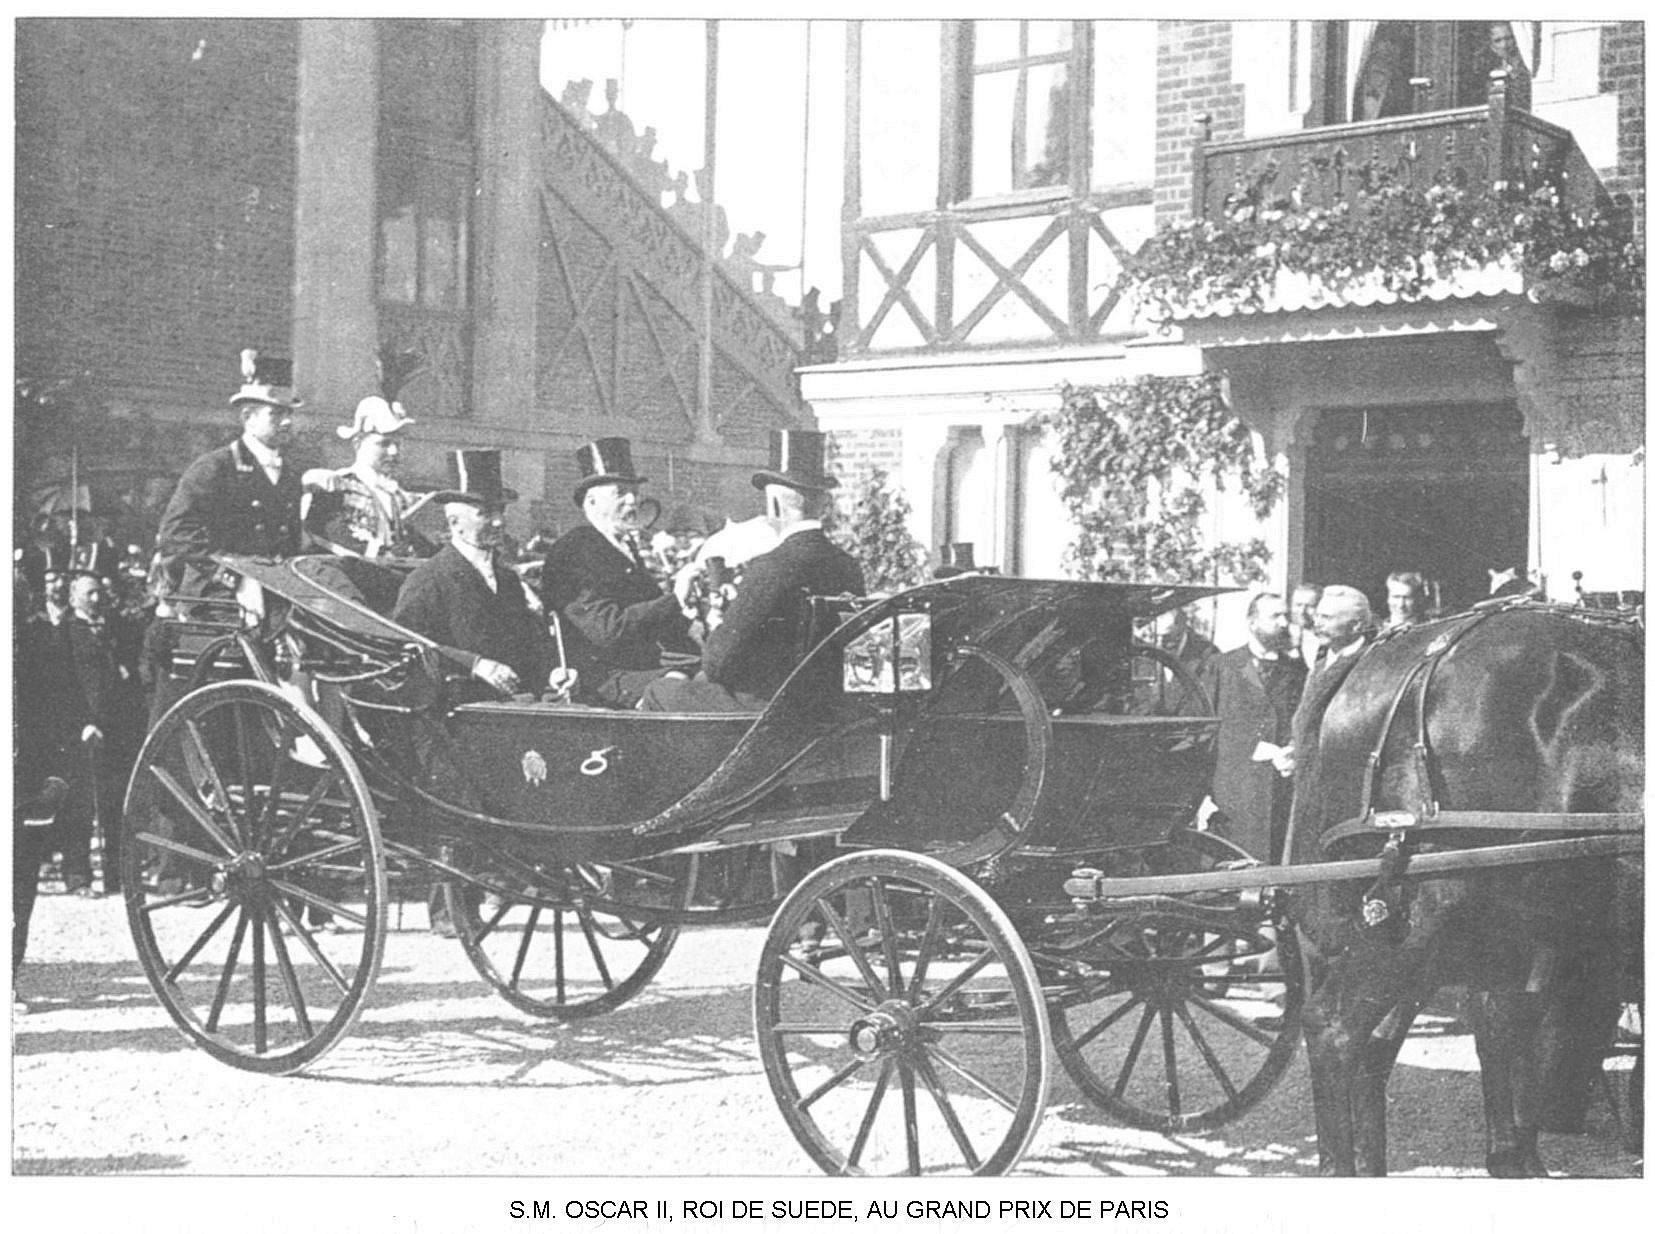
point(900, 1020)
point(1194, 1022)
point(552, 952)
point(254, 876)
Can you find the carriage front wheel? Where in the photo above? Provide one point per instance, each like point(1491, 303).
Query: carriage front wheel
point(254, 876)
point(900, 1020)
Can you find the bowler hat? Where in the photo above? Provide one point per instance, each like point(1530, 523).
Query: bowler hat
point(608, 460)
point(265, 379)
point(798, 460)
point(475, 478)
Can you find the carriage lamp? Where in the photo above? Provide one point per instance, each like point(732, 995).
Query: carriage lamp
point(890, 661)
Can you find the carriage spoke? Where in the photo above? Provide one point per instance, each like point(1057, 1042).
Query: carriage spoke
point(972, 1078)
point(964, 975)
point(929, 1078)
point(1206, 1052)
point(832, 1082)
point(837, 924)
point(261, 1040)
point(193, 807)
point(485, 928)
point(220, 795)
point(290, 979)
point(1130, 1062)
point(314, 858)
point(523, 947)
point(316, 901)
point(318, 791)
point(1103, 1025)
point(1170, 1053)
point(868, 1115)
point(291, 920)
point(228, 974)
point(882, 916)
point(927, 948)
point(910, 1114)
point(817, 977)
point(183, 961)
point(808, 1029)
point(1013, 1028)
point(557, 953)
point(244, 751)
point(1240, 1023)
point(268, 815)
point(592, 946)
point(173, 846)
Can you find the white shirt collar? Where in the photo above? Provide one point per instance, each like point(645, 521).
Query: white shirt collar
point(262, 454)
point(1259, 651)
point(1349, 649)
point(481, 558)
point(805, 524)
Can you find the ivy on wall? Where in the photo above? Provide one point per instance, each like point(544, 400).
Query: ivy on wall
point(1384, 231)
point(876, 534)
point(1136, 458)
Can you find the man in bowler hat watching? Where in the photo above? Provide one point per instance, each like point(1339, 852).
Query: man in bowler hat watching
point(621, 628)
point(761, 638)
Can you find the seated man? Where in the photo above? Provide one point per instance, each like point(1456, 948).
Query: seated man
point(621, 629)
point(759, 642)
point(469, 600)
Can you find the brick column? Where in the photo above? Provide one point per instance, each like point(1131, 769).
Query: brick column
point(335, 320)
point(509, 154)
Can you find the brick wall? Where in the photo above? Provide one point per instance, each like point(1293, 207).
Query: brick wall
point(1621, 72)
point(1192, 76)
point(154, 228)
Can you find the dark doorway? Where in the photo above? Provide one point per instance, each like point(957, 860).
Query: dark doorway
point(1441, 490)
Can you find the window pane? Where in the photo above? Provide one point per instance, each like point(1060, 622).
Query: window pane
point(1047, 135)
point(996, 41)
point(992, 103)
point(1123, 103)
point(1049, 36)
point(901, 115)
point(398, 256)
point(441, 264)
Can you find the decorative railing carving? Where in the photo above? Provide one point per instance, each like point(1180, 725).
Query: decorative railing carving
point(587, 179)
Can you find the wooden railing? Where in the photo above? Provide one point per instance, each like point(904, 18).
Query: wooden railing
point(1472, 148)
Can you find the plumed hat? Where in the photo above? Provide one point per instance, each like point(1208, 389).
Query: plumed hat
point(798, 459)
point(265, 379)
point(382, 413)
point(608, 460)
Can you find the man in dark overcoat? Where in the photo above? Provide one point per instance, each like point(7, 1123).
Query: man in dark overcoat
point(620, 628)
point(763, 633)
point(243, 497)
point(1255, 689)
point(103, 699)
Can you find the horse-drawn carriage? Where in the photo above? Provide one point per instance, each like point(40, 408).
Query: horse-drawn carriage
point(968, 814)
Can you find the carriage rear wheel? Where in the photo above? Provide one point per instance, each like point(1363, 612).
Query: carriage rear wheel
point(900, 1020)
point(1194, 1021)
point(254, 876)
point(565, 947)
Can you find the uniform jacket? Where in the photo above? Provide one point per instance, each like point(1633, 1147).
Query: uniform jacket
point(446, 600)
point(226, 504)
point(761, 638)
point(1251, 709)
point(353, 518)
point(616, 616)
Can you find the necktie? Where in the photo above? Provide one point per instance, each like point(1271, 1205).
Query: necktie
point(631, 542)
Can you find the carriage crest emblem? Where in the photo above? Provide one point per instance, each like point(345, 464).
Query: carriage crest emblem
point(534, 768)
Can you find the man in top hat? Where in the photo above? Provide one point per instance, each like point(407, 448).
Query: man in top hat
point(957, 559)
point(470, 600)
point(243, 497)
point(620, 627)
point(361, 510)
point(761, 638)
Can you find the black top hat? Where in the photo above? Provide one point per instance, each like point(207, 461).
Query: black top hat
point(957, 559)
point(99, 558)
point(265, 379)
point(798, 460)
point(608, 460)
point(475, 476)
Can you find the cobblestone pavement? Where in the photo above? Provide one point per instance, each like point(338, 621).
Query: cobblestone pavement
point(442, 1077)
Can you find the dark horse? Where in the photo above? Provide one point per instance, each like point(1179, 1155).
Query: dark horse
point(1527, 709)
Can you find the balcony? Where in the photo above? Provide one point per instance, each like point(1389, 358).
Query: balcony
point(1472, 148)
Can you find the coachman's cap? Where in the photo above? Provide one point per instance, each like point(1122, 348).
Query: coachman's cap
point(265, 379)
point(474, 476)
point(608, 460)
point(382, 413)
point(798, 459)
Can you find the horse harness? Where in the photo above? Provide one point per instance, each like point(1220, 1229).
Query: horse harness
point(1382, 901)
